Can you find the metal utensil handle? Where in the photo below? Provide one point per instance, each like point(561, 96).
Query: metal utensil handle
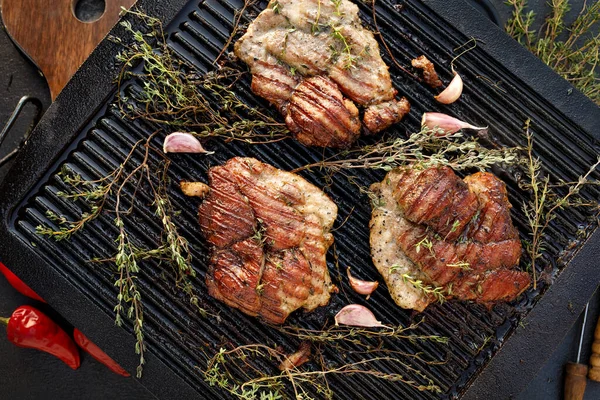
point(13, 118)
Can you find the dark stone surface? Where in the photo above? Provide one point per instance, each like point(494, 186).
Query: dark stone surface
point(31, 375)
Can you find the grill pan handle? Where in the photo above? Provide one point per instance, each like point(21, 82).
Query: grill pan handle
point(13, 118)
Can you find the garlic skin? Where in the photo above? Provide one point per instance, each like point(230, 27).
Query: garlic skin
point(452, 91)
point(357, 315)
point(446, 123)
point(182, 142)
point(360, 286)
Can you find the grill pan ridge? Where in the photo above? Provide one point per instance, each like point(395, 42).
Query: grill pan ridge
point(177, 335)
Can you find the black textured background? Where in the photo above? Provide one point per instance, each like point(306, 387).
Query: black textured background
point(30, 375)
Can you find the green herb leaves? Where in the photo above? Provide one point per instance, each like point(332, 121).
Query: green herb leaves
point(571, 51)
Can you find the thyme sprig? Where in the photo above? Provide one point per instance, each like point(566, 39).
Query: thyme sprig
point(423, 149)
point(237, 371)
point(346, 53)
point(465, 266)
point(94, 193)
point(116, 188)
point(359, 336)
point(572, 51)
point(234, 371)
point(541, 209)
point(127, 268)
point(437, 292)
point(171, 95)
point(337, 4)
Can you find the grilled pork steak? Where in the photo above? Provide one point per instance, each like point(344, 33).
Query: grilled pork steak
point(315, 62)
point(269, 231)
point(432, 226)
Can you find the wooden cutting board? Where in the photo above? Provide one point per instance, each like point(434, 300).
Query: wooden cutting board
point(56, 41)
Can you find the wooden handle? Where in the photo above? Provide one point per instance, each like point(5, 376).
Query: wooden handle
point(54, 38)
point(594, 373)
point(575, 381)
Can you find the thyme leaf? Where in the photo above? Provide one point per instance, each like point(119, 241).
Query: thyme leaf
point(541, 208)
point(422, 149)
point(572, 51)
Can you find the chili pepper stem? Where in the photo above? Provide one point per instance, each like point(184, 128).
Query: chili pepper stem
point(4, 321)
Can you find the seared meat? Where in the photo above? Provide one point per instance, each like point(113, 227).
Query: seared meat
point(316, 63)
point(429, 74)
point(269, 231)
point(430, 225)
point(274, 82)
point(319, 115)
point(453, 204)
point(381, 116)
point(387, 224)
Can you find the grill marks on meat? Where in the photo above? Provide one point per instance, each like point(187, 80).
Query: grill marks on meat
point(387, 224)
point(437, 198)
point(269, 231)
point(494, 222)
point(381, 116)
point(275, 84)
point(319, 114)
point(238, 270)
point(317, 64)
point(451, 233)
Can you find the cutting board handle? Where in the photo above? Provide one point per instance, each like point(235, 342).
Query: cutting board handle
point(55, 40)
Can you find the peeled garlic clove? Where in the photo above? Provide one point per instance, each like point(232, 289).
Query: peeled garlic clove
point(357, 315)
point(452, 91)
point(182, 142)
point(445, 122)
point(362, 287)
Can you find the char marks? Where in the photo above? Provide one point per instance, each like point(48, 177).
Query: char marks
point(318, 114)
point(437, 198)
point(455, 234)
point(269, 231)
point(318, 65)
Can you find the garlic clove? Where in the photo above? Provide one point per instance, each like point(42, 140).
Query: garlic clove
point(357, 315)
point(182, 142)
point(452, 91)
point(446, 123)
point(360, 286)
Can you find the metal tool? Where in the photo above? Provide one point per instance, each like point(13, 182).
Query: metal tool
point(13, 118)
point(576, 373)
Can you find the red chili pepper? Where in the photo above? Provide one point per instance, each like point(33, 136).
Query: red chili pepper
point(18, 284)
point(89, 347)
point(30, 328)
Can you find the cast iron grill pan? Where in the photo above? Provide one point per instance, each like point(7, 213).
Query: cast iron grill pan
point(181, 338)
